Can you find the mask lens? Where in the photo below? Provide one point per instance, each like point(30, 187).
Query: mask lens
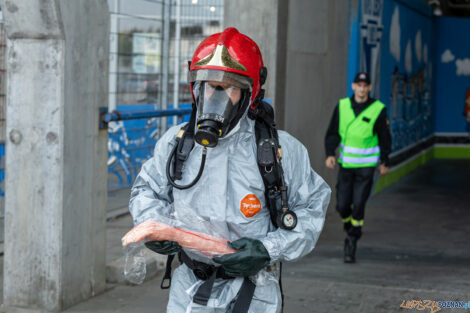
point(218, 99)
point(232, 92)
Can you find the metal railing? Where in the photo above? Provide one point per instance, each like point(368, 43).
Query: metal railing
point(133, 115)
point(132, 138)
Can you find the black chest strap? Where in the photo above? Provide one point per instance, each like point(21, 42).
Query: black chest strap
point(269, 155)
point(185, 142)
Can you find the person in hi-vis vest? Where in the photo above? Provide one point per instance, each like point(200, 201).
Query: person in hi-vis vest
point(360, 127)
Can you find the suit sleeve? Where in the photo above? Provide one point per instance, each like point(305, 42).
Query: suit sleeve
point(382, 129)
point(309, 197)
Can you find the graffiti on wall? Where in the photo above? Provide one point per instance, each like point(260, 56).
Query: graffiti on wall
point(410, 109)
point(407, 95)
point(394, 43)
point(131, 143)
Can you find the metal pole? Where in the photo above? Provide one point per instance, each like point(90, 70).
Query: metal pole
point(144, 114)
point(166, 61)
point(176, 79)
point(113, 53)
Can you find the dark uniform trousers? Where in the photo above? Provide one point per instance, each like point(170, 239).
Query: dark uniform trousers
point(352, 190)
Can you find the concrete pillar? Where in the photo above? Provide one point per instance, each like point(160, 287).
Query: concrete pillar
point(2, 83)
point(305, 47)
point(57, 67)
point(317, 62)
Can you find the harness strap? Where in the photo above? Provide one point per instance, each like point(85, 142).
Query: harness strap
point(267, 141)
point(167, 276)
point(204, 291)
point(209, 273)
point(245, 296)
point(185, 145)
point(280, 286)
point(205, 272)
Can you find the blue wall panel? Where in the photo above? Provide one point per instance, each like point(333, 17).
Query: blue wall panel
point(453, 74)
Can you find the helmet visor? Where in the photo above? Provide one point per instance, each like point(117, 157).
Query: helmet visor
point(236, 80)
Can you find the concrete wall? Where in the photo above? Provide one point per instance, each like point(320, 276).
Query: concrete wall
point(56, 155)
point(3, 49)
point(305, 47)
point(86, 26)
point(317, 60)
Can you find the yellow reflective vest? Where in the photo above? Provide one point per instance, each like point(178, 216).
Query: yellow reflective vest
point(359, 145)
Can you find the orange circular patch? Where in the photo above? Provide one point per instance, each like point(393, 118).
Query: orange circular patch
point(250, 205)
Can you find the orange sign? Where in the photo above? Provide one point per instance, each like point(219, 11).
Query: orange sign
point(250, 205)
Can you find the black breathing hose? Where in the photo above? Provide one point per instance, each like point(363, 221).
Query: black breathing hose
point(201, 169)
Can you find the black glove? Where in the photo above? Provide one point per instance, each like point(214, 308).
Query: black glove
point(251, 257)
point(163, 247)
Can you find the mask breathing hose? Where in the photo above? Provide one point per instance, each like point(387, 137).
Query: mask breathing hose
point(201, 169)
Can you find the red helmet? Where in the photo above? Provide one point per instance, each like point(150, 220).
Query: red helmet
point(231, 56)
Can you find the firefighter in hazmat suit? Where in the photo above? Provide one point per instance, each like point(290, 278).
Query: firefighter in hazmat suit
point(226, 74)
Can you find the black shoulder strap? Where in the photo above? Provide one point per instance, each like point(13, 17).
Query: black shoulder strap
point(185, 145)
point(268, 156)
point(166, 280)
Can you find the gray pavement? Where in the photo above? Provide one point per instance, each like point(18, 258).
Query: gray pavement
point(414, 247)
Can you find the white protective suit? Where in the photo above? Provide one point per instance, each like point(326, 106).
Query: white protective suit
point(230, 174)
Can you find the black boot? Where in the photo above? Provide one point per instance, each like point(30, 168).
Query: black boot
point(350, 249)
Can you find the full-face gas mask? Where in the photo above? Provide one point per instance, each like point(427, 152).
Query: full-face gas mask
point(219, 108)
point(221, 100)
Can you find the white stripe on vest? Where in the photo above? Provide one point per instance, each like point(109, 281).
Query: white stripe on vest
point(360, 160)
point(360, 151)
